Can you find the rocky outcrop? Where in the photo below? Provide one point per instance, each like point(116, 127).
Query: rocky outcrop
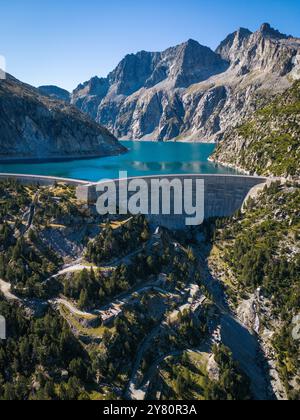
point(190, 92)
point(34, 126)
point(266, 51)
point(55, 92)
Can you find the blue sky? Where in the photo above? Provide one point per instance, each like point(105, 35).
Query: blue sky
point(65, 42)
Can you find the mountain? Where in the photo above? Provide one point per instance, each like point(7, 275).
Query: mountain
point(189, 91)
point(55, 92)
point(140, 97)
point(268, 143)
point(34, 126)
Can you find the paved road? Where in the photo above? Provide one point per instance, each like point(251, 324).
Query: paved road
point(133, 392)
point(70, 306)
point(119, 302)
point(73, 269)
point(79, 266)
point(243, 344)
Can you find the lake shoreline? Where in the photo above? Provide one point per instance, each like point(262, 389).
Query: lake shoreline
point(171, 141)
point(28, 161)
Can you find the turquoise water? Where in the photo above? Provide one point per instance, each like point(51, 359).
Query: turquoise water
point(143, 158)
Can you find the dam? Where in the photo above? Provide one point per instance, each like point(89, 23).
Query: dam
point(41, 180)
point(223, 195)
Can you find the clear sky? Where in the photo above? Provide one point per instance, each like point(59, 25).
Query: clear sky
point(65, 42)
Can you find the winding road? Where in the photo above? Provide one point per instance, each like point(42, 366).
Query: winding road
point(117, 304)
point(242, 343)
point(133, 392)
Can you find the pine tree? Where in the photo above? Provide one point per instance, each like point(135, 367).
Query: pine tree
point(83, 300)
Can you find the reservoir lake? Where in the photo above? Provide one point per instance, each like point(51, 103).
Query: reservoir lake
point(142, 159)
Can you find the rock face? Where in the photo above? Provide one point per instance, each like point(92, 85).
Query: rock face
point(55, 92)
point(268, 143)
point(189, 91)
point(33, 126)
point(142, 97)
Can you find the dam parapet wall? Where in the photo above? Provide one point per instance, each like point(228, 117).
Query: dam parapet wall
point(40, 180)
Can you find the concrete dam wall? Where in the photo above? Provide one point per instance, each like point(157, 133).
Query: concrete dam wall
point(40, 180)
point(223, 195)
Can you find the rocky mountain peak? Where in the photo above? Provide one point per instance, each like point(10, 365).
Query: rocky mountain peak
point(266, 30)
point(232, 43)
point(88, 96)
point(192, 43)
point(194, 63)
point(95, 86)
point(181, 66)
point(55, 92)
point(266, 50)
point(243, 32)
point(132, 72)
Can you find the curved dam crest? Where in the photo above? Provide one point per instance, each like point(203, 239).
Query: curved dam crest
point(223, 195)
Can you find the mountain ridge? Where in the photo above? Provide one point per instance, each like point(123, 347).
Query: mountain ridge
point(55, 92)
point(189, 91)
point(37, 127)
